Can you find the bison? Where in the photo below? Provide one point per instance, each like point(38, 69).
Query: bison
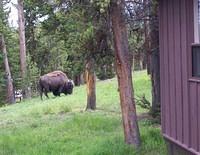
point(56, 82)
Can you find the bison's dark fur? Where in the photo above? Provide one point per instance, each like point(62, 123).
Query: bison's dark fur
point(56, 82)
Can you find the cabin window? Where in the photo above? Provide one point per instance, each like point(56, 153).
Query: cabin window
point(196, 45)
point(197, 21)
point(196, 60)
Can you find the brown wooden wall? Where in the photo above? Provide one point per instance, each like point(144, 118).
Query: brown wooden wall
point(180, 94)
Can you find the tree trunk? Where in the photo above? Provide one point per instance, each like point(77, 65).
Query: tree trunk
point(23, 66)
point(9, 82)
point(123, 68)
point(91, 85)
point(79, 79)
point(141, 63)
point(154, 61)
point(76, 80)
point(133, 64)
point(82, 81)
point(147, 39)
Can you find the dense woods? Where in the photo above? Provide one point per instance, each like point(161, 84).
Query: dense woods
point(86, 40)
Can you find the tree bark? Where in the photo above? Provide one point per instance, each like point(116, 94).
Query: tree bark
point(9, 82)
point(141, 63)
point(91, 85)
point(21, 23)
point(123, 67)
point(154, 59)
point(147, 39)
point(23, 65)
point(82, 81)
point(78, 79)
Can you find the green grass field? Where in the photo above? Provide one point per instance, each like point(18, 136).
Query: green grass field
point(61, 126)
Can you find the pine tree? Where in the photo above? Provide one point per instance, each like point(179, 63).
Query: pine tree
point(124, 73)
point(23, 55)
point(7, 73)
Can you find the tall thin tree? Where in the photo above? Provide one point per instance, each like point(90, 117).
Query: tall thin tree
point(123, 68)
point(23, 65)
point(154, 58)
point(9, 82)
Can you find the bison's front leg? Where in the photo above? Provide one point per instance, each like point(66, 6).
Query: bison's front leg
point(56, 93)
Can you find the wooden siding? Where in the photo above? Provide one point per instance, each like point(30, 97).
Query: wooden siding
point(184, 50)
point(180, 94)
point(174, 149)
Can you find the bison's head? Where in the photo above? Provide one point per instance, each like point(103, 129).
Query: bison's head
point(68, 88)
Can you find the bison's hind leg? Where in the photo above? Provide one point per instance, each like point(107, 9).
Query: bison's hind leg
point(46, 94)
point(41, 95)
point(40, 90)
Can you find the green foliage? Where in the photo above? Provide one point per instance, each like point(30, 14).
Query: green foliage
point(13, 52)
point(106, 69)
point(67, 37)
point(42, 127)
point(4, 12)
point(102, 5)
point(143, 102)
point(11, 42)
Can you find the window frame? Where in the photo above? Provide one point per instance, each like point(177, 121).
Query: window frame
point(196, 43)
point(194, 68)
point(196, 21)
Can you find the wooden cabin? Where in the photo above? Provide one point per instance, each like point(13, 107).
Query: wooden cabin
point(180, 75)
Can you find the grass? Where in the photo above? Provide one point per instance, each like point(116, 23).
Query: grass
point(61, 126)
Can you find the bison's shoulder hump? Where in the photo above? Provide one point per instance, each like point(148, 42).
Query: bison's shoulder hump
point(56, 73)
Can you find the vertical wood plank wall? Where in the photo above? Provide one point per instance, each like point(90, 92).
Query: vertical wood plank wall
point(180, 96)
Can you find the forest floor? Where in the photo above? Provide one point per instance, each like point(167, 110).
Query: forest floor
point(61, 126)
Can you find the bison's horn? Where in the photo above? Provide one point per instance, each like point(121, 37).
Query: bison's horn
point(71, 81)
